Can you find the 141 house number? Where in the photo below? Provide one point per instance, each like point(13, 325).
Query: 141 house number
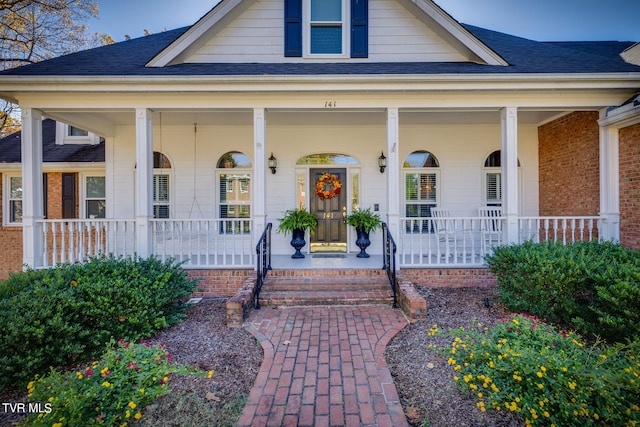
point(330, 104)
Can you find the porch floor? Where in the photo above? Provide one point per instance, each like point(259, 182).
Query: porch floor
point(326, 261)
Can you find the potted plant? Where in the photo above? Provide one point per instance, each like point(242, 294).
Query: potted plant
point(296, 222)
point(364, 221)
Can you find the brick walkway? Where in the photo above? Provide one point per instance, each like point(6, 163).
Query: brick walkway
point(324, 366)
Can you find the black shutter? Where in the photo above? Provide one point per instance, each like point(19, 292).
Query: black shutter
point(292, 28)
point(45, 195)
point(68, 195)
point(359, 28)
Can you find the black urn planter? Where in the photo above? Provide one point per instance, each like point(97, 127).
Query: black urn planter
point(362, 242)
point(297, 241)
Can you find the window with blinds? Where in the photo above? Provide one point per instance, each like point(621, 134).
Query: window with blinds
point(493, 179)
point(161, 196)
point(494, 189)
point(421, 176)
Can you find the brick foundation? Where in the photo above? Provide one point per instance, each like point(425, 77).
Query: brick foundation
point(219, 283)
point(568, 150)
point(450, 277)
point(630, 186)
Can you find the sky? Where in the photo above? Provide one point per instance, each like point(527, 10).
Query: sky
point(542, 20)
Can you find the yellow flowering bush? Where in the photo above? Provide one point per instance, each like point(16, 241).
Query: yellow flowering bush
point(110, 391)
point(547, 377)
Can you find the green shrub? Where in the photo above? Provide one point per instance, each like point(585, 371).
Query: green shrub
point(60, 316)
point(592, 286)
point(525, 366)
point(111, 391)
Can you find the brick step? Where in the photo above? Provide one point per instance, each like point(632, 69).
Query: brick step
point(325, 297)
point(323, 284)
point(352, 274)
point(326, 287)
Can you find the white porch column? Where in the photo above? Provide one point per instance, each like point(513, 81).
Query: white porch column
point(509, 170)
point(144, 182)
point(393, 172)
point(259, 169)
point(32, 208)
point(610, 182)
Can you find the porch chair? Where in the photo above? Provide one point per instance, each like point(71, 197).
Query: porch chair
point(490, 227)
point(443, 227)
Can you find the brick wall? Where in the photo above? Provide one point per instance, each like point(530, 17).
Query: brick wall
point(11, 237)
point(54, 199)
point(450, 277)
point(630, 186)
point(568, 150)
point(219, 283)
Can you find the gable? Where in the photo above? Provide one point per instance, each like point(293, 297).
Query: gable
point(250, 31)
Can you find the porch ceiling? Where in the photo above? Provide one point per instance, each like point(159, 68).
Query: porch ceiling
point(105, 122)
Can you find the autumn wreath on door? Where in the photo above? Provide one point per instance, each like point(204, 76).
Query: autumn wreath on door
point(328, 186)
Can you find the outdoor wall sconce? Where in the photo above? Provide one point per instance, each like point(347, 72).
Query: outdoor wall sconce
point(273, 164)
point(382, 162)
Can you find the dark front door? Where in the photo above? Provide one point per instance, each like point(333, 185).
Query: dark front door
point(331, 233)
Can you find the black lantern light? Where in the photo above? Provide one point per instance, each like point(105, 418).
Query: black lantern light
point(382, 162)
point(273, 164)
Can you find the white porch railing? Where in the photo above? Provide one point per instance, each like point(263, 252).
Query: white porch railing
point(205, 243)
point(464, 241)
point(69, 241)
point(228, 243)
point(441, 242)
point(560, 228)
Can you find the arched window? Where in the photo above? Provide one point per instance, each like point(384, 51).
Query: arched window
point(421, 182)
point(493, 179)
point(234, 182)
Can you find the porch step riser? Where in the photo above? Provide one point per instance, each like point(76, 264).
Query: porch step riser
point(324, 286)
point(329, 274)
point(293, 298)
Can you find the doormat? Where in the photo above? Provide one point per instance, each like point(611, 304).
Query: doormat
point(328, 256)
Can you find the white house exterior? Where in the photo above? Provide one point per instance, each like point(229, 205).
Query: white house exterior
point(322, 87)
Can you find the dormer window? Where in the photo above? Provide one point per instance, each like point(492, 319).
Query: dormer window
point(74, 131)
point(325, 26)
point(68, 134)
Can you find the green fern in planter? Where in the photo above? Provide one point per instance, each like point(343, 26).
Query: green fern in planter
point(297, 219)
point(364, 219)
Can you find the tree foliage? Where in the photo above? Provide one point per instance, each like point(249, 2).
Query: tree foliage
point(35, 30)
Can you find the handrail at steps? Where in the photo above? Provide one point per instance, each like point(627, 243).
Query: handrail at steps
point(389, 261)
point(263, 257)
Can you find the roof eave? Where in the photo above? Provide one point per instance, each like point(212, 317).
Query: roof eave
point(13, 84)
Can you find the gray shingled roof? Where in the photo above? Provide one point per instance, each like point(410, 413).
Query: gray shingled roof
point(524, 56)
point(10, 149)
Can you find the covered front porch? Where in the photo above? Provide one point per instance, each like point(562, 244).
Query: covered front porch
point(476, 183)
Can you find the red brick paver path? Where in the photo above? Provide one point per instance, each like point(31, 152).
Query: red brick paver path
point(324, 366)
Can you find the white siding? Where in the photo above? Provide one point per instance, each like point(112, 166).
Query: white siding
point(257, 35)
point(460, 148)
point(461, 151)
